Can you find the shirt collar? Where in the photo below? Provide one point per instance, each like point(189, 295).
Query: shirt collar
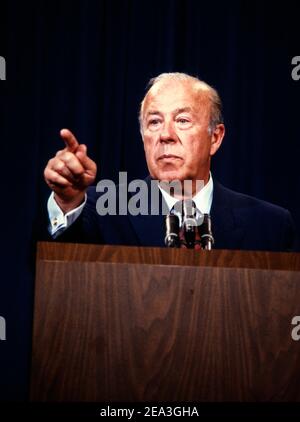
point(202, 199)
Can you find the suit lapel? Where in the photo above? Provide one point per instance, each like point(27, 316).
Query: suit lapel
point(226, 233)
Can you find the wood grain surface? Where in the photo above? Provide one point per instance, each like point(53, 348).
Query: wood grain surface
point(146, 324)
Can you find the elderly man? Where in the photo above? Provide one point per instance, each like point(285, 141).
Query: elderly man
point(182, 128)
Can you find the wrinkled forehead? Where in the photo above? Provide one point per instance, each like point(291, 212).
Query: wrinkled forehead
point(168, 94)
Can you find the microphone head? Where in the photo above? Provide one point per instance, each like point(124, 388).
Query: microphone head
point(189, 222)
point(206, 225)
point(191, 214)
point(189, 208)
point(172, 239)
point(205, 232)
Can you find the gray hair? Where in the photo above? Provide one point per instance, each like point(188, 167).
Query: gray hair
point(216, 116)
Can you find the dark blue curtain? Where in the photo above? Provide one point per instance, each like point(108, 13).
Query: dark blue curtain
point(84, 65)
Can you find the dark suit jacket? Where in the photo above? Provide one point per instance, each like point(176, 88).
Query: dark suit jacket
point(238, 222)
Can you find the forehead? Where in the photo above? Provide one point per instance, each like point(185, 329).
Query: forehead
point(171, 95)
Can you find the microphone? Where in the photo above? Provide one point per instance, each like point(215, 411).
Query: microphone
point(172, 239)
point(189, 222)
point(205, 233)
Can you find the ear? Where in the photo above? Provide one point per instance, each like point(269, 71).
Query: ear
point(217, 138)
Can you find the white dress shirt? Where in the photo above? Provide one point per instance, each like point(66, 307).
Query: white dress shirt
point(59, 221)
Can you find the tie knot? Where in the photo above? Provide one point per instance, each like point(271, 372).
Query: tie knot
point(186, 208)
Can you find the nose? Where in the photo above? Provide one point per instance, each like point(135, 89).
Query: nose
point(168, 133)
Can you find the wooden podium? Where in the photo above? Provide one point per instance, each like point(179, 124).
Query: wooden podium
point(150, 324)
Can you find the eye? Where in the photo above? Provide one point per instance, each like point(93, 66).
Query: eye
point(183, 121)
point(153, 122)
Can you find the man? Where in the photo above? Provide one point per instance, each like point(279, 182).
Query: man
point(182, 128)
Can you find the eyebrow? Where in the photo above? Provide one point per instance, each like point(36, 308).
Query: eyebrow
point(175, 112)
point(182, 110)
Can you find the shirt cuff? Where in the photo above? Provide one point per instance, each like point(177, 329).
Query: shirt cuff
point(59, 221)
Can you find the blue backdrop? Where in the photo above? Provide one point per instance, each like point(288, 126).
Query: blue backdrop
point(84, 65)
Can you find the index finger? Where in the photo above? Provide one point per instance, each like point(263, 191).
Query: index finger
point(70, 140)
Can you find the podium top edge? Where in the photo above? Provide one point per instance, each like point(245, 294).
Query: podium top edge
point(70, 252)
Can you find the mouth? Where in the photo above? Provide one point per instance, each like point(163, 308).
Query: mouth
point(168, 157)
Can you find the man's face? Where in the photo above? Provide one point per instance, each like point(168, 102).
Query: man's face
point(176, 136)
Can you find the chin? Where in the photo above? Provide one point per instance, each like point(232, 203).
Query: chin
point(168, 176)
